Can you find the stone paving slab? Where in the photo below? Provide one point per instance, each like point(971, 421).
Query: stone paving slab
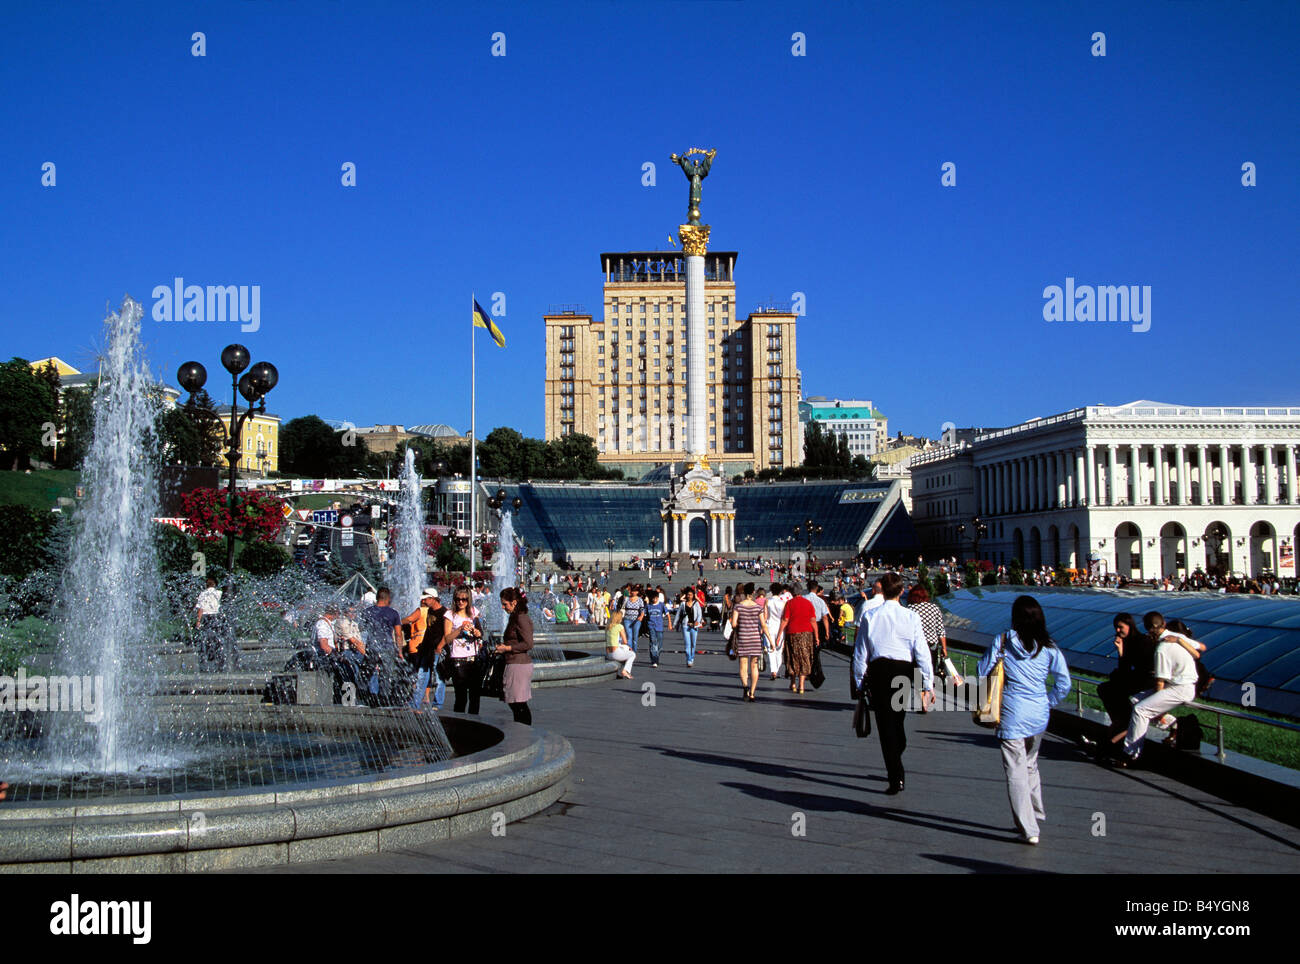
point(703, 782)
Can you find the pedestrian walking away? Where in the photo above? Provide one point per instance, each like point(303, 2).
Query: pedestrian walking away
point(749, 633)
point(890, 644)
point(1029, 658)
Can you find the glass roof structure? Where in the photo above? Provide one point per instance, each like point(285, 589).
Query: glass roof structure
point(1253, 639)
point(579, 518)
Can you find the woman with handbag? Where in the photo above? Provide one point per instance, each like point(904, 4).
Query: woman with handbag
point(516, 641)
point(799, 630)
point(1028, 657)
point(463, 641)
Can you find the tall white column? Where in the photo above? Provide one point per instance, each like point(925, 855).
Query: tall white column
point(1111, 456)
point(1227, 484)
point(1184, 488)
point(1270, 476)
point(668, 546)
point(1291, 489)
point(1248, 486)
point(1134, 476)
point(1162, 475)
point(696, 360)
point(1202, 476)
point(1089, 491)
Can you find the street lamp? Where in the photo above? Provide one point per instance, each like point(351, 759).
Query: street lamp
point(811, 531)
point(609, 545)
point(254, 385)
point(748, 541)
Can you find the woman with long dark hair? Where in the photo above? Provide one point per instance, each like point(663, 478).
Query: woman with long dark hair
point(516, 641)
point(1029, 659)
point(1134, 672)
point(463, 639)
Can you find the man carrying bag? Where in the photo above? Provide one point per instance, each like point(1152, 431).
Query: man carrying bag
point(888, 646)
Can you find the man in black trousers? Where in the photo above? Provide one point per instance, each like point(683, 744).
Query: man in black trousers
point(883, 658)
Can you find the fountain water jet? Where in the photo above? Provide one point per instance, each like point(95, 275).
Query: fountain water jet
point(109, 591)
point(408, 571)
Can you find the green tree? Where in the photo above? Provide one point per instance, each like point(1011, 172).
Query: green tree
point(310, 447)
point(78, 423)
point(27, 533)
point(263, 558)
point(179, 438)
point(972, 575)
point(1015, 573)
point(501, 454)
point(212, 439)
point(27, 408)
point(451, 558)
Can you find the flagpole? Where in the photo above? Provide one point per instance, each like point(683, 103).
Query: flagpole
point(473, 440)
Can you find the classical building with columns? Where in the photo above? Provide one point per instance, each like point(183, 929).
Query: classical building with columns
point(1145, 490)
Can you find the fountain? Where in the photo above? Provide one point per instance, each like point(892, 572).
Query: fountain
point(177, 771)
point(407, 572)
point(109, 588)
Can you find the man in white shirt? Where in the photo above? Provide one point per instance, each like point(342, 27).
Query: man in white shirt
point(891, 640)
point(326, 641)
point(1175, 682)
point(823, 612)
point(208, 603)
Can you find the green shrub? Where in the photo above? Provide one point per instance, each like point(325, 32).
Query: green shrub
point(263, 558)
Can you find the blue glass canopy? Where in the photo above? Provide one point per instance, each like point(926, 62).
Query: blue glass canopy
point(1250, 638)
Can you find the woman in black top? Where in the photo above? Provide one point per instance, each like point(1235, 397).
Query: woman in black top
point(1135, 673)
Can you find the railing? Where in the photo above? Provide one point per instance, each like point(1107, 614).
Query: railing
point(1081, 681)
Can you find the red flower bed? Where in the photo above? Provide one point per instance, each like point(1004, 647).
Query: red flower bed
point(254, 517)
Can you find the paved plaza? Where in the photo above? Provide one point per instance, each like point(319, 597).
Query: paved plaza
point(701, 781)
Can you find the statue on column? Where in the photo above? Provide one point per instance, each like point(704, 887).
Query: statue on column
point(696, 171)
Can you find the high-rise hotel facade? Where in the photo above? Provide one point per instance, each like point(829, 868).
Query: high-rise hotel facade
point(620, 376)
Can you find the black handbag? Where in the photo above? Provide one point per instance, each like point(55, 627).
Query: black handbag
point(862, 715)
point(494, 676)
point(818, 676)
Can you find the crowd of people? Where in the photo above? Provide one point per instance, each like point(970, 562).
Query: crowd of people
point(776, 629)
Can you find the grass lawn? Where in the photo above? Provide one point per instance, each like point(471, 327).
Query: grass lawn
point(38, 490)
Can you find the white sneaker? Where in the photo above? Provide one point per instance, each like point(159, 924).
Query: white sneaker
point(1033, 841)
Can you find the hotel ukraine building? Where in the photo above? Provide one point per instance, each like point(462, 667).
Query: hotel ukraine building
point(620, 376)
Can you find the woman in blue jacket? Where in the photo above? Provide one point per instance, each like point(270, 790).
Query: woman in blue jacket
point(1029, 658)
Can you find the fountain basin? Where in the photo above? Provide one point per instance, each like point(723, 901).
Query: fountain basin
point(576, 668)
point(511, 770)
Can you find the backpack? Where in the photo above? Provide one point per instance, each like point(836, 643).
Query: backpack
point(1187, 734)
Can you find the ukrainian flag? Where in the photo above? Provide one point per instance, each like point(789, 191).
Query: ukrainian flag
point(481, 320)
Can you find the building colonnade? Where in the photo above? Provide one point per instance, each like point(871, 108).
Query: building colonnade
point(1163, 474)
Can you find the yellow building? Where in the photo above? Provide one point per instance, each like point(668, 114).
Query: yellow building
point(620, 377)
point(259, 449)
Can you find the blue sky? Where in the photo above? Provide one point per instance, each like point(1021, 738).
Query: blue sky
point(513, 173)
